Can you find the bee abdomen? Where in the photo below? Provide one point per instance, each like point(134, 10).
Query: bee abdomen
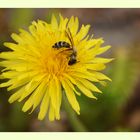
point(61, 44)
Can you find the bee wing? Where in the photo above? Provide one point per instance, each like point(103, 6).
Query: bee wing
point(69, 35)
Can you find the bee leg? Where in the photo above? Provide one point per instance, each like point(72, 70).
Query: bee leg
point(65, 50)
point(68, 49)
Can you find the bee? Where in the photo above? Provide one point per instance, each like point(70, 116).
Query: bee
point(70, 47)
point(61, 44)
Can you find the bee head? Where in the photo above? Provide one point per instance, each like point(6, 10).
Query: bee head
point(72, 61)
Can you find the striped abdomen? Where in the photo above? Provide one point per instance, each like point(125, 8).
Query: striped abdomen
point(61, 44)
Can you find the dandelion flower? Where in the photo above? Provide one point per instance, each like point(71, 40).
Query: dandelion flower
point(39, 73)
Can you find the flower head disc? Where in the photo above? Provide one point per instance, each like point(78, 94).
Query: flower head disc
point(38, 72)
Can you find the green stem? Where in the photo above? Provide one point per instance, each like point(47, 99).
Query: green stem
point(76, 124)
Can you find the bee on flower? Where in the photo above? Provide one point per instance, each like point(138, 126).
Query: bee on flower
point(51, 59)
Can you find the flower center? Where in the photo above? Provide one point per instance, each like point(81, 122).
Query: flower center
point(55, 62)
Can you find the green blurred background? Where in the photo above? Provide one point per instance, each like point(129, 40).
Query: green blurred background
point(118, 108)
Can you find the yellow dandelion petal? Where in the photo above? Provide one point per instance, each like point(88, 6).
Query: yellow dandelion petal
point(73, 25)
point(85, 75)
point(101, 60)
point(58, 97)
point(51, 113)
point(83, 32)
point(103, 49)
point(54, 22)
point(21, 80)
point(8, 55)
point(30, 87)
point(10, 74)
point(6, 84)
point(97, 67)
point(63, 23)
point(28, 104)
point(11, 46)
point(44, 106)
point(16, 95)
point(43, 64)
point(89, 85)
point(37, 95)
point(71, 96)
point(71, 86)
point(52, 93)
point(70, 78)
point(17, 38)
point(101, 76)
point(35, 98)
point(85, 89)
